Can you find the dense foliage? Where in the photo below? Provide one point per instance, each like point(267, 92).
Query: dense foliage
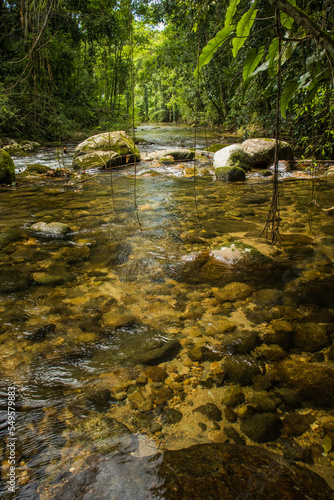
point(70, 65)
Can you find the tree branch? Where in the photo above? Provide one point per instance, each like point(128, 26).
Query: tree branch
point(302, 19)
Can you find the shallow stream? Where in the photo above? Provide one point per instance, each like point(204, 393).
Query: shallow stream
point(127, 338)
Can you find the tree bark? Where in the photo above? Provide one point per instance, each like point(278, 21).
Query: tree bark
point(302, 19)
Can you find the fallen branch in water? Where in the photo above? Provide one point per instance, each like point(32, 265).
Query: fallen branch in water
point(328, 211)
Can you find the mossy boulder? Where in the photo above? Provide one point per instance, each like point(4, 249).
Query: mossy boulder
point(262, 151)
point(231, 174)
point(233, 156)
point(14, 149)
point(176, 153)
point(7, 168)
point(37, 168)
point(109, 149)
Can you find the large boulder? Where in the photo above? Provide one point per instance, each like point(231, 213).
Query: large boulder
point(221, 471)
point(7, 168)
point(106, 150)
point(232, 156)
point(263, 151)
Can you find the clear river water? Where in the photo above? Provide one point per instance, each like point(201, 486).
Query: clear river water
point(132, 338)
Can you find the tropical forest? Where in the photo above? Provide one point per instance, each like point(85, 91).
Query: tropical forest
point(166, 249)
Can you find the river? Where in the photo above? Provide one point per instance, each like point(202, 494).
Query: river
point(128, 339)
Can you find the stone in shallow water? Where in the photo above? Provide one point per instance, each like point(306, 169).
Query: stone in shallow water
point(51, 229)
point(208, 471)
point(41, 334)
point(233, 291)
point(241, 369)
point(318, 291)
point(240, 342)
point(234, 262)
point(310, 337)
point(155, 351)
point(13, 280)
point(312, 383)
point(172, 415)
point(262, 427)
point(210, 411)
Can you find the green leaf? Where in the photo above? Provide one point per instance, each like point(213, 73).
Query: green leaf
point(289, 91)
point(243, 28)
point(231, 11)
point(252, 60)
point(261, 68)
point(245, 87)
point(272, 57)
point(286, 21)
point(287, 51)
point(212, 46)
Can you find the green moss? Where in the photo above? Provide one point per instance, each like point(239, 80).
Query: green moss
point(7, 168)
point(215, 147)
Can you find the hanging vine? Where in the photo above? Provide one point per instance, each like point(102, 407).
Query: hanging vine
point(271, 229)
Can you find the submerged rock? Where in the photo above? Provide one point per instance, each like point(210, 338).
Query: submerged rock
point(310, 337)
point(240, 342)
point(41, 334)
point(14, 280)
point(7, 168)
point(312, 383)
point(241, 369)
point(318, 291)
point(154, 351)
point(210, 411)
point(262, 427)
point(176, 154)
point(231, 174)
point(172, 416)
point(230, 263)
point(233, 291)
